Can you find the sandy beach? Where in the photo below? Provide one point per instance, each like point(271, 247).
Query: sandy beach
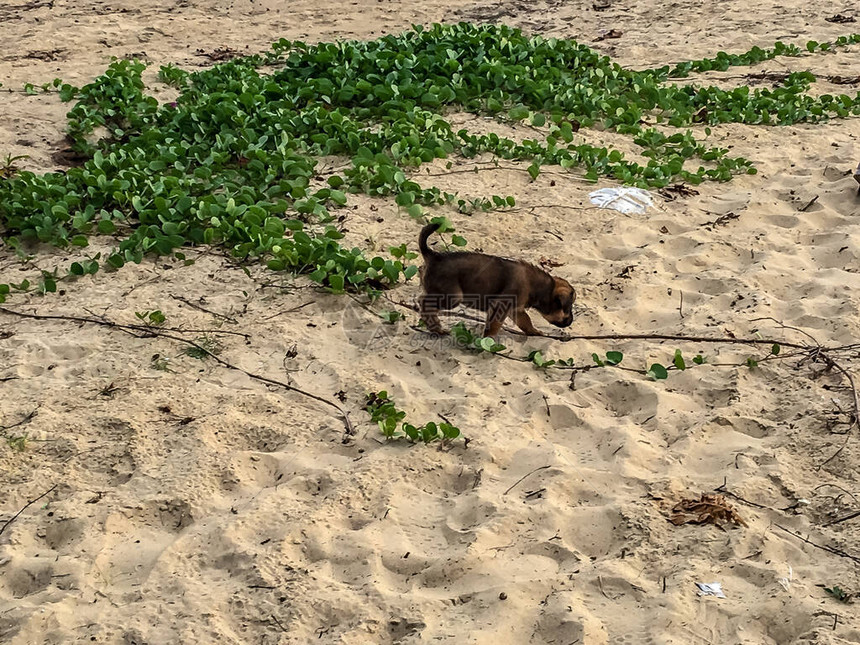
point(194, 504)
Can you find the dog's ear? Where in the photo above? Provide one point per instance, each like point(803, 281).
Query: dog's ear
point(563, 294)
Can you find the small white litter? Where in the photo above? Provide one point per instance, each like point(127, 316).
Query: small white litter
point(711, 589)
point(624, 200)
point(786, 582)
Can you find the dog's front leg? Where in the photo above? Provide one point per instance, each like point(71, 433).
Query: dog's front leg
point(525, 323)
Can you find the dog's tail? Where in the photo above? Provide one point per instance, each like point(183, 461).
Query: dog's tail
point(426, 232)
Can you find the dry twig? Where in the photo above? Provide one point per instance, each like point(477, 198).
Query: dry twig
point(26, 506)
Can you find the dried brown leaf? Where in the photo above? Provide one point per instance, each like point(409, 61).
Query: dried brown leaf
point(708, 509)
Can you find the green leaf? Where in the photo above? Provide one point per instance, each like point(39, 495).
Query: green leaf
point(406, 198)
point(698, 359)
point(449, 431)
point(679, 360)
point(597, 360)
point(106, 227)
point(411, 432)
point(429, 432)
point(457, 240)
point(658, 372)
point(390, 317)
point(518, 113)
point(336, 283)
point(116, 261)
point(775, 349)
point(488, 344)
point(614, 358)
point(318, 275)
point(48, 285)
point(534, 171)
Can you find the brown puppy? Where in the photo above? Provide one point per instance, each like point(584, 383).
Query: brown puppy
point(498, 286)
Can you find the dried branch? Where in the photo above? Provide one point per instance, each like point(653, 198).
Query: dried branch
point(523, 477)
point(153, 331)
point(855, 421)
point(203, 309)
point(22, 421)
point(26, 506)
point(823, 547)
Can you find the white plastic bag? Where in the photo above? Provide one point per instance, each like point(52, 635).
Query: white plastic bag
point(623, 199)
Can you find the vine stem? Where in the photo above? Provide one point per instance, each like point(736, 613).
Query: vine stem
point(816, 352)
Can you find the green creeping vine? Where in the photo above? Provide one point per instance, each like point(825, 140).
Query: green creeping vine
point(387, 416)
point(724, 61)
point(657, 371)
point(232, 161)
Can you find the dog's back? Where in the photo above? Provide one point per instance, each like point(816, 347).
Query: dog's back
point(475, 278)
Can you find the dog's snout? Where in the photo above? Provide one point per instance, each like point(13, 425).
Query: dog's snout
point(565, 322)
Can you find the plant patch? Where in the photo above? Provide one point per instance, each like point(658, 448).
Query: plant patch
point(391, 422)
point(230, 161)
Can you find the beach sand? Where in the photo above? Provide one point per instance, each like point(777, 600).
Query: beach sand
point(197, 505)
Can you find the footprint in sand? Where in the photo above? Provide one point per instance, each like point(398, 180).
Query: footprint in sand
point(730, 202)
point(136, 538)
point(595, 531)
point(565, 619)
point(636, 400)
point(782, 221)
point(256, 469)
point(562, 555)
point(746, 425)
point(256, 438)
point(112, 462)
point(62, 532)
point(400, 629)
point(468, 515)
point(563, 417)
point(24, 577)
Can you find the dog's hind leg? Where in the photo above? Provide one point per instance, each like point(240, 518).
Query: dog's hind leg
point(429, 311)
